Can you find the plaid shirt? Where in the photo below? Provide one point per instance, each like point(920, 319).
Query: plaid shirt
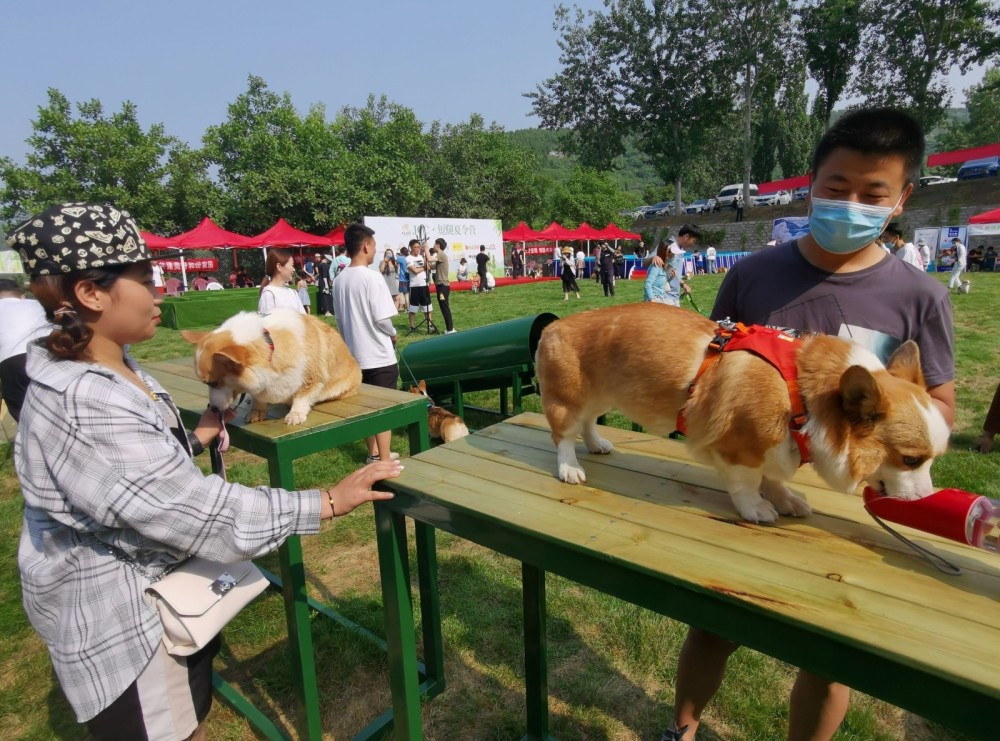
point(98, 465)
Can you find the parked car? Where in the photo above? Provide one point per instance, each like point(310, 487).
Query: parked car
point(981, 168)
point(799, 194)
point(935, 180)
point(778, 198)
point(701, 206)
point(727, 196)
point(663, 208)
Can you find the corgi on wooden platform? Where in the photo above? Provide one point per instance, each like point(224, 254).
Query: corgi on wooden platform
point(282, 358)
point(442, 424)
point(865, 421)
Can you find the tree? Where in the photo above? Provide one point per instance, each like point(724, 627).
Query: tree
point(479, 173)
point(88, 156)
point(591, 196)
point(831, 31)
point(983, 126)
point(909, 46)
point(798, 133)
point(645, 68)
point(274, 163)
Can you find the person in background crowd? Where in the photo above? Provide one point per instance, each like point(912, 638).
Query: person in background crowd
point(463, 270)
point(324, 286)
point(955, 281)
point(112, 496)
point(925, 253)
point(640, 250)
point(340, 262)
point(699, 263)
point(619, 263)
point(277, 291)
point(606, 258)
point(710, 257)
point(21, 321)
point(302, 288)
point(158, 283)
point(905, 251)
point(438, 263)
point(568, 274)
point(517, 261)
point(738, 204)
point(482, 268)
point(403, 298)
point(581, 262)
point(420, 292)
point(389, 269)
point(309, 268)
point(655, 287)
point(975, 258)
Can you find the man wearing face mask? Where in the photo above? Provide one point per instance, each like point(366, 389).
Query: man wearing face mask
point(837, 280)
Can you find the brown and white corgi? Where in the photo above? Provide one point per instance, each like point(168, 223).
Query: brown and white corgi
point(866, 421)
point(442, 424)
point(283, 358)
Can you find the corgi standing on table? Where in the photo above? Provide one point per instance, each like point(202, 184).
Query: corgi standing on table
point(836, 280)
point(364, 310)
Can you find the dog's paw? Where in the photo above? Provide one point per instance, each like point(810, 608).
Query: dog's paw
point(256, 415)
point(786, 502)
point(600, 446)
point(571, 474)
point(295, 418)
point(759, 510)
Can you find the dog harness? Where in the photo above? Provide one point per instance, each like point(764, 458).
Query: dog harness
point(270, 344)
point(777, 347)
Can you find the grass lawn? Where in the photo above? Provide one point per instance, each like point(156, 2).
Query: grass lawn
point(611, 665)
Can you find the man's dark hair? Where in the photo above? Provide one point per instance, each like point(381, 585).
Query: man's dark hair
point(412, 242)
point(440, 243)
point(10, 286)
point(690, 229)
point(355, 235)
point(894, 230)
point(482, 248)
point(877, 131)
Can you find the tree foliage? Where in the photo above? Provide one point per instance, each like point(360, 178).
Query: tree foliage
point(589, 195)
point(909, 46)
point(983, 124)
point(831, 31)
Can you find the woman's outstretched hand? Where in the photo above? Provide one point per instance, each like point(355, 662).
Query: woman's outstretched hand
point(356, 488)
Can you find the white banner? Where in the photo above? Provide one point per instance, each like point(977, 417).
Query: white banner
point(929, 236)
point(787, 229)
point(464, 237)
point(984, 230)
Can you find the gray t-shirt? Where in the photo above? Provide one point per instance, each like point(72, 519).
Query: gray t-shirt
point(879, 307)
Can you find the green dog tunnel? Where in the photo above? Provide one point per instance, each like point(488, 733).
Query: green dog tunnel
point(497, 356)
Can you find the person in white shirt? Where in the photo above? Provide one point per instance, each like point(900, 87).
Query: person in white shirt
point(710, 257)
point(21, 321)
point(961, 254)
point(581, 262)
point(158, 278)
point(420, 293)
point(925, 253)
point(279, 290)
point(905, 251)
point(364, 309)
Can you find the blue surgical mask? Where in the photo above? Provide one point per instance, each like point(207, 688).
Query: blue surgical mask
point(843, 227)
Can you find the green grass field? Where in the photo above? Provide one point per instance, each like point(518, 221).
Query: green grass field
point(611, 664)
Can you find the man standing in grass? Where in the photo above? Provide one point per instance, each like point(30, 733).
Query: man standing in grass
point(836, 280)
point(364, 310)
point(961, 253)
point(482, 267)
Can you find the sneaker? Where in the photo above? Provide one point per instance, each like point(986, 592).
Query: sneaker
point(393, 456)
point(674, 734)
point(451, 331)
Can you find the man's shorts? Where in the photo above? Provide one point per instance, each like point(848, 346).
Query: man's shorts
point(385, 377)
point(420, 299)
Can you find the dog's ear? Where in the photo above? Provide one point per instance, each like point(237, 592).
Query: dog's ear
point(905, 363)
point(422, 385)
point(194, 337)
point(233, 358)
point(860, 396)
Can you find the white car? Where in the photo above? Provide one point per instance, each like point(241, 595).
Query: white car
point(778, 198)
point(935, 180)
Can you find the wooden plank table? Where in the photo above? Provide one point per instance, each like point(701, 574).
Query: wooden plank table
point(329, 425)
point(832, 592)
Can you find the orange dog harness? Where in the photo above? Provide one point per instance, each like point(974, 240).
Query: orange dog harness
point(776, 347)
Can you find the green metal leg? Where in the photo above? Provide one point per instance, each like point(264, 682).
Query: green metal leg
point(503, 402)
point(430, 607)
point(300, 646)
point(536, 682)
point(516, 393)
point(459, 401)
point(399, 631)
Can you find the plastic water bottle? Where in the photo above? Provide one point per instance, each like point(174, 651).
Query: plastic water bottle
point(958, 515)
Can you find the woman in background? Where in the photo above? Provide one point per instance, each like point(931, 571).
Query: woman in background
point(276, 291)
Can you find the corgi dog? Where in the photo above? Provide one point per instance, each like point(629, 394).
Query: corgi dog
point(442, 424)
point(283, 358)
point(866, 421)
point(965, 287)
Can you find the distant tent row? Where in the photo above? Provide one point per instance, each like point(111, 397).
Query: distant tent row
point(209, 235)
point(557, 233)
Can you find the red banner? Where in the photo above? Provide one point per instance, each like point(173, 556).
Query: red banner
point(191, 265)
point(543, 249)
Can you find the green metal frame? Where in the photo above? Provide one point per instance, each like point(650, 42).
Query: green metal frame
point(912, 688)
point(428, 676)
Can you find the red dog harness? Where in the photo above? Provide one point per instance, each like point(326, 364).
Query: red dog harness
point(776, 347)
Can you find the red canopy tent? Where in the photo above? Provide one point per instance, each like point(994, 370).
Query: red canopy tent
point(207, 235)
point(522, 233)
point(787, 184)
point(556, 232)
point(283, 234)
point(156, 242)
point(613, 231)
point(336, 236)
point(962, 155)
point(585, 231)
point(989, 217)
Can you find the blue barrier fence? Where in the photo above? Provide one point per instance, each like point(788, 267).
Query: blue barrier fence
point(722, 260)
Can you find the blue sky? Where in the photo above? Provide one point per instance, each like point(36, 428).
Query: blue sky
point(182, 62)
